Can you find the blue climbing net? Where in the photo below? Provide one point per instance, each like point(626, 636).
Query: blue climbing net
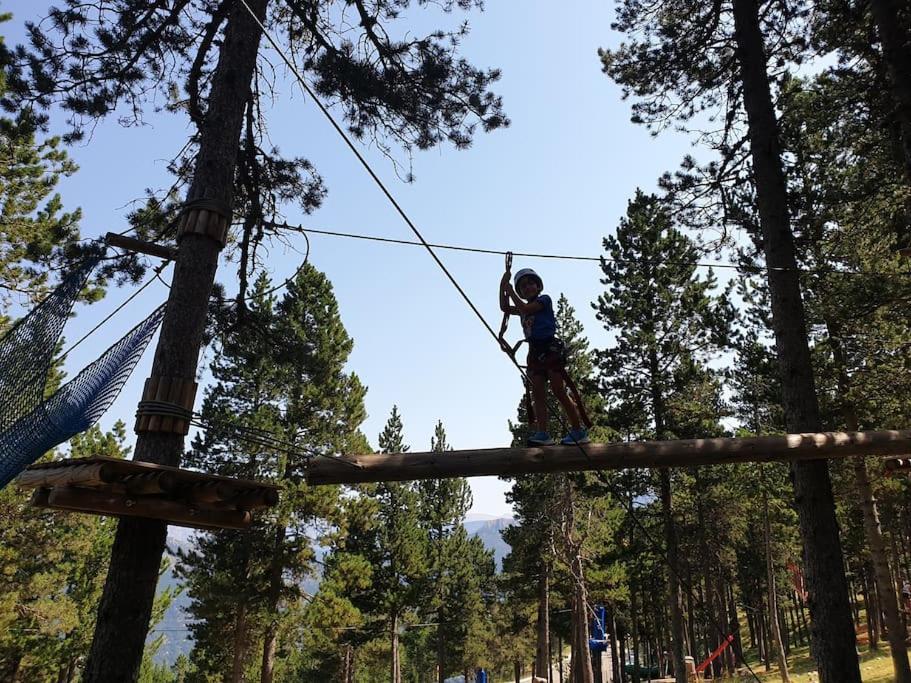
point(30, 424)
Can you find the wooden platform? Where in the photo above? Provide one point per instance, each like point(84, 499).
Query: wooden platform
point(514, 461)
point(108, 486)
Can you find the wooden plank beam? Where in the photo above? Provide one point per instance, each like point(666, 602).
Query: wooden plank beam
point(514, 461)
point(173, 512)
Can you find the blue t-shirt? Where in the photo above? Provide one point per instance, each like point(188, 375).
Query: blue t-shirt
point(541, 325)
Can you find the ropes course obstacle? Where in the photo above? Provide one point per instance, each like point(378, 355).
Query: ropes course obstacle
point(31, 425)
point(110, 486)
point(604, 456)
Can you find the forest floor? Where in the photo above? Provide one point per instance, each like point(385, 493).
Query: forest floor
point(875, 667)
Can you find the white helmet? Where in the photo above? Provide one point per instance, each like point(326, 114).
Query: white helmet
point(527, 272)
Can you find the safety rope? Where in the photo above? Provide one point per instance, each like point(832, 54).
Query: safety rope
point(431, 251)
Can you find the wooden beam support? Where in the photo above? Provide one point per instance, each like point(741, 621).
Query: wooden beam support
point(689, 452)
point(147, 248)
point(89, 474)
point(173, 512)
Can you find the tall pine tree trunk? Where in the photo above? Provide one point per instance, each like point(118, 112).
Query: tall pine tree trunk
point(395, 672)
point(634, 622)
point(581, 663)
point(267, 666)
point(773, 597)
point(734, 620)
point(673, 557)
point(240, 645)
point(273, 597)
point(348, 664)
point(126, 603)
point(614, 649)
point(832, 631)
point(873, 534)
point(542, 653)
point(670, 530)
point(894, 35)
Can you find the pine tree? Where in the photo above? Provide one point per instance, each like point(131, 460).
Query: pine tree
point(51, 569)
point(664, 315)
point(92, 60)
point(282, 373)
point(459, 570)
point(679, 65)
point(400, 556)
point(37, 236)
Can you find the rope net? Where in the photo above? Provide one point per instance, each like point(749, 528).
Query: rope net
point(31, 425)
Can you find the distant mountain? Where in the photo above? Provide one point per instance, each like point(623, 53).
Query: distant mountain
point(173, 626)
point(488, 530)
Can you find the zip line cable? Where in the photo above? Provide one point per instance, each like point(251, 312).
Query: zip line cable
point(430, 250)
point(569, 257)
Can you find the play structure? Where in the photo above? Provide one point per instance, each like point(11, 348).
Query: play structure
point(31, 425)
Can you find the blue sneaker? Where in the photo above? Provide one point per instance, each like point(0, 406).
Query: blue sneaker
point(540, 439)
point(575, 436)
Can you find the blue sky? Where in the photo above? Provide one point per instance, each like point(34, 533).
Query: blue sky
point(556, 181)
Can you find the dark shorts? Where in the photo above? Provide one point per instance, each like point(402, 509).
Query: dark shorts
point(545, 356)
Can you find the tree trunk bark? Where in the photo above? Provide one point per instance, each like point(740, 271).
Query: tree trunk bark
point(614, 650)
point(670, 537)
point(832, 631)
point(763, 644)
point(893, 34)
point(267, 670)
point(581, 665)
point(734, 619)
point(396, 674)
point(887, 600)
point(348, 664)
point(126, 603)
point(773, 597)
point(441, 647)
point(634, 622)
point(273, 597)
point(670, 530)
point(542, 653)
point(240, 645)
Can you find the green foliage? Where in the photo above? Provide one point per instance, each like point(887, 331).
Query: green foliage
point(281, 396)
point(665, 316)
point(37, 236)
point(52, 569)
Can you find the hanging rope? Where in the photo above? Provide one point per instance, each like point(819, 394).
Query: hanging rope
point(445, 270)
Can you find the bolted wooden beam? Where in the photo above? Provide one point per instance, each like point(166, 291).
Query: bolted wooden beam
point(607, 456)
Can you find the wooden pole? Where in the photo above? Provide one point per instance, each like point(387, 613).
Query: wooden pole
point(89, 474)
point(148, 248)
point(513, 461)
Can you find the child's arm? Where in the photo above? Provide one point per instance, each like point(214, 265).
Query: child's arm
point(520, 307)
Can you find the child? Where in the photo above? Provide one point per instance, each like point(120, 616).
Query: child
point(546, 354)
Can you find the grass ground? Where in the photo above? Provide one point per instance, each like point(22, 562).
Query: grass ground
point(875, 667)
